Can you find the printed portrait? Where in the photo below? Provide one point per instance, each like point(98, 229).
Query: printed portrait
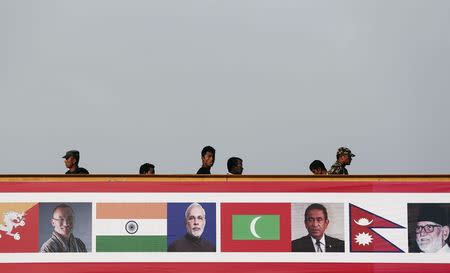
point(191, 227)
point(65, 227)
point(428, 228)
point(317, 227)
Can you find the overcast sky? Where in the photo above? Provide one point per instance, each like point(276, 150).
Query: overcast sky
point(277, 83)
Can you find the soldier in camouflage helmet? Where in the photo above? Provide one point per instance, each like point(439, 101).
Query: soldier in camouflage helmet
point(344, 158)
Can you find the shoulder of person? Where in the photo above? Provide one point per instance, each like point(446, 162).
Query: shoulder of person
point(301, 240)
point(81, 243)
point(174, 246)
point(81, 170)
point(50, 246)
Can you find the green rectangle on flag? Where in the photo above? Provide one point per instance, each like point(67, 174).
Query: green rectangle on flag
point(256, 227)
point(131, 243)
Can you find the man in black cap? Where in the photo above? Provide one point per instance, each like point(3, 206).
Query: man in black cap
point(343, 158)
point(432, 229)
point(71, 160)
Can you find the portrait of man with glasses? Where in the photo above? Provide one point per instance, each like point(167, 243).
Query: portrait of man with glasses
point(429, 231)
point(62, 238)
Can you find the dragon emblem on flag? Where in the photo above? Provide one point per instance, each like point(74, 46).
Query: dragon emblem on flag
point(11, 220)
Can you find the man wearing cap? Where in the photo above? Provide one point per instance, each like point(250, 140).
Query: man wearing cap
point(344, 158)
point(432, 230)
point(71, 160)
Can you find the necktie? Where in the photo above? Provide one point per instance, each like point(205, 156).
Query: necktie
point(319, 249)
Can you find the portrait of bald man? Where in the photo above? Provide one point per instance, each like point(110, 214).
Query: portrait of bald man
point(65, 227)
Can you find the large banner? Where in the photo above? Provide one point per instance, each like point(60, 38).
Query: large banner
point(202, 226)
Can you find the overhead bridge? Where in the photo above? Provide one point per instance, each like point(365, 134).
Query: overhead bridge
point(251, 223)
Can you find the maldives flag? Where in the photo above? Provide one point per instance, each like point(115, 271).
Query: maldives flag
point(19, 227)
point(256, 227)
point(363, 236)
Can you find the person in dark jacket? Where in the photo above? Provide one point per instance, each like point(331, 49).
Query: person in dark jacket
point(71, 160)
point(208, 158)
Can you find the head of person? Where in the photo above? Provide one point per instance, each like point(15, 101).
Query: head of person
point(432, 228)
point(71, 158)
point(344, 155)
point(63, 219)
point(317, 167)
point(195, 219)
point(234, 165)
point(208, 156)
point(147, 169)
point(316, 220)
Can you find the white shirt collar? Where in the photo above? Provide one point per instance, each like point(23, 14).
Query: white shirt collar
point(322, 243)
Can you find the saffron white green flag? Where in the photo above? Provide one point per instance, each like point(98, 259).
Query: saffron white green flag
point(131, 227)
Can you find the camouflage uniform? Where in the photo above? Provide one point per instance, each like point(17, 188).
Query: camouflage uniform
point(338, 167)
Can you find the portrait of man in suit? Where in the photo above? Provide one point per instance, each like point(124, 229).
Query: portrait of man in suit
point(316, 222)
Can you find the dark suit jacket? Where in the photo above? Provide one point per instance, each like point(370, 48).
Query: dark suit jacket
point(305, 244)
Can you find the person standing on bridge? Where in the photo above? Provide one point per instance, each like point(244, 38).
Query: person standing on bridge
point(208, 158)
point(71, 160)
point(147, 169)
point(234, 166)
point(344, 158)
point(318, 168)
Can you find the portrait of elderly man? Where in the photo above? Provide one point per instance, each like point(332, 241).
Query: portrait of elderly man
point(62, 238)
point(192, 241)
point(432, 229)
point(316, 222)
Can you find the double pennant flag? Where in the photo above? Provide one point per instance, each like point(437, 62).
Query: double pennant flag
point(364, 238)
point(256, 227)
point(131, 227)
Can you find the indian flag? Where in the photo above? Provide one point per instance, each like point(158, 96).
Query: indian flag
point(131, 227)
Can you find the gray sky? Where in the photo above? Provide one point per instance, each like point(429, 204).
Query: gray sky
point(278, 83)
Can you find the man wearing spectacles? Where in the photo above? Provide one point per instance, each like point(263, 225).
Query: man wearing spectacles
point(62, 239)
point(316, 222)
point(432, 230)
